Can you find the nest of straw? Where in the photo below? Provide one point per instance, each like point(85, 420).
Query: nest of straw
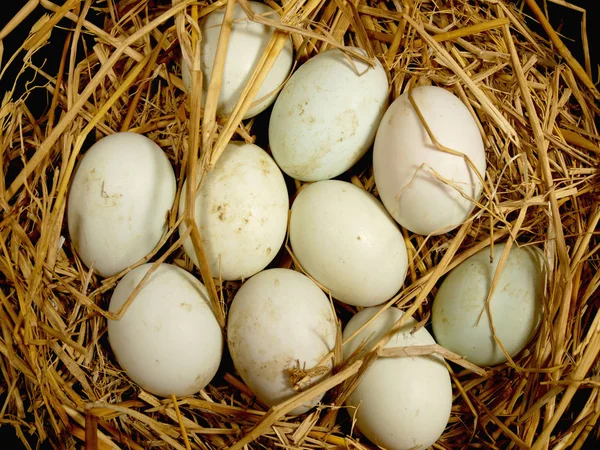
point(536, 108)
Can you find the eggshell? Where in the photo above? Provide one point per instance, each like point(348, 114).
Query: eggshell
point(247, 42)
point(279, 320)
point(326, 116)
point(405, 161)
point(120, 195)
point(241, 211)
point(403, 403)
point(168, 341)
point(516, 305)
point(344, 238)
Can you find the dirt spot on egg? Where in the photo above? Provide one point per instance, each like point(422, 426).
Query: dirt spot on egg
point(272, 311)
point(221, 211)
point(265, 167)
point(347, 121)
point(390, 121)
point(276, 281)
point(113, 200)
point(269, 251)
point(443, 317)
point(331, 321)
point(275, 368)
point(471, 301)
point(242, 371)
point(187, 307)
point(90, 180)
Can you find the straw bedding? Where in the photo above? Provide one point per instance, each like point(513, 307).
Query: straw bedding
point(536, 108)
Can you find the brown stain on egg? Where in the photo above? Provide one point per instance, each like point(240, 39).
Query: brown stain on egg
point(113, 200)
point(443, 317)
point(91, 178)
point(221, 211)
point(347, 121)
point(272, 370)
point(265, 167)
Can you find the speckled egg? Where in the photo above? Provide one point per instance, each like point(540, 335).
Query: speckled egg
point(279, 320)
point(241, 212)
point(326, 116)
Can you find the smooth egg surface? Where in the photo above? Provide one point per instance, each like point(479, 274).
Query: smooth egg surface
point(247, 43)
point(118, 202)
point(427, 190)
point(168, 341)
point(460, 317)
point(401, 403)
point(344, 238)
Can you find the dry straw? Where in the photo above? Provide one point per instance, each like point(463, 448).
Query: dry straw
point(533, 102)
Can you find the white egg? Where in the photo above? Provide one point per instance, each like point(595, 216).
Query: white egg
point(118, 202)
point(168, 341)
point(241, 212)
point(405, 161)
point(279, 320)
point(344, 238)
point(459, 314)
point(403, 403)
point(326, 116)
point(247, 43)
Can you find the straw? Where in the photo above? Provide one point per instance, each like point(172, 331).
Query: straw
point(562, 49)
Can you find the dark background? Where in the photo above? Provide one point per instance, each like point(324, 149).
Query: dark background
point(565, 21)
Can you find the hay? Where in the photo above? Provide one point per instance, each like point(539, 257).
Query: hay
point(537, 114)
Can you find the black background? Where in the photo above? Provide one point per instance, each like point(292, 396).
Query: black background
point(566, 21)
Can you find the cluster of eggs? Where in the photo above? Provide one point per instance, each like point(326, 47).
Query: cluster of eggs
point(324, 119)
